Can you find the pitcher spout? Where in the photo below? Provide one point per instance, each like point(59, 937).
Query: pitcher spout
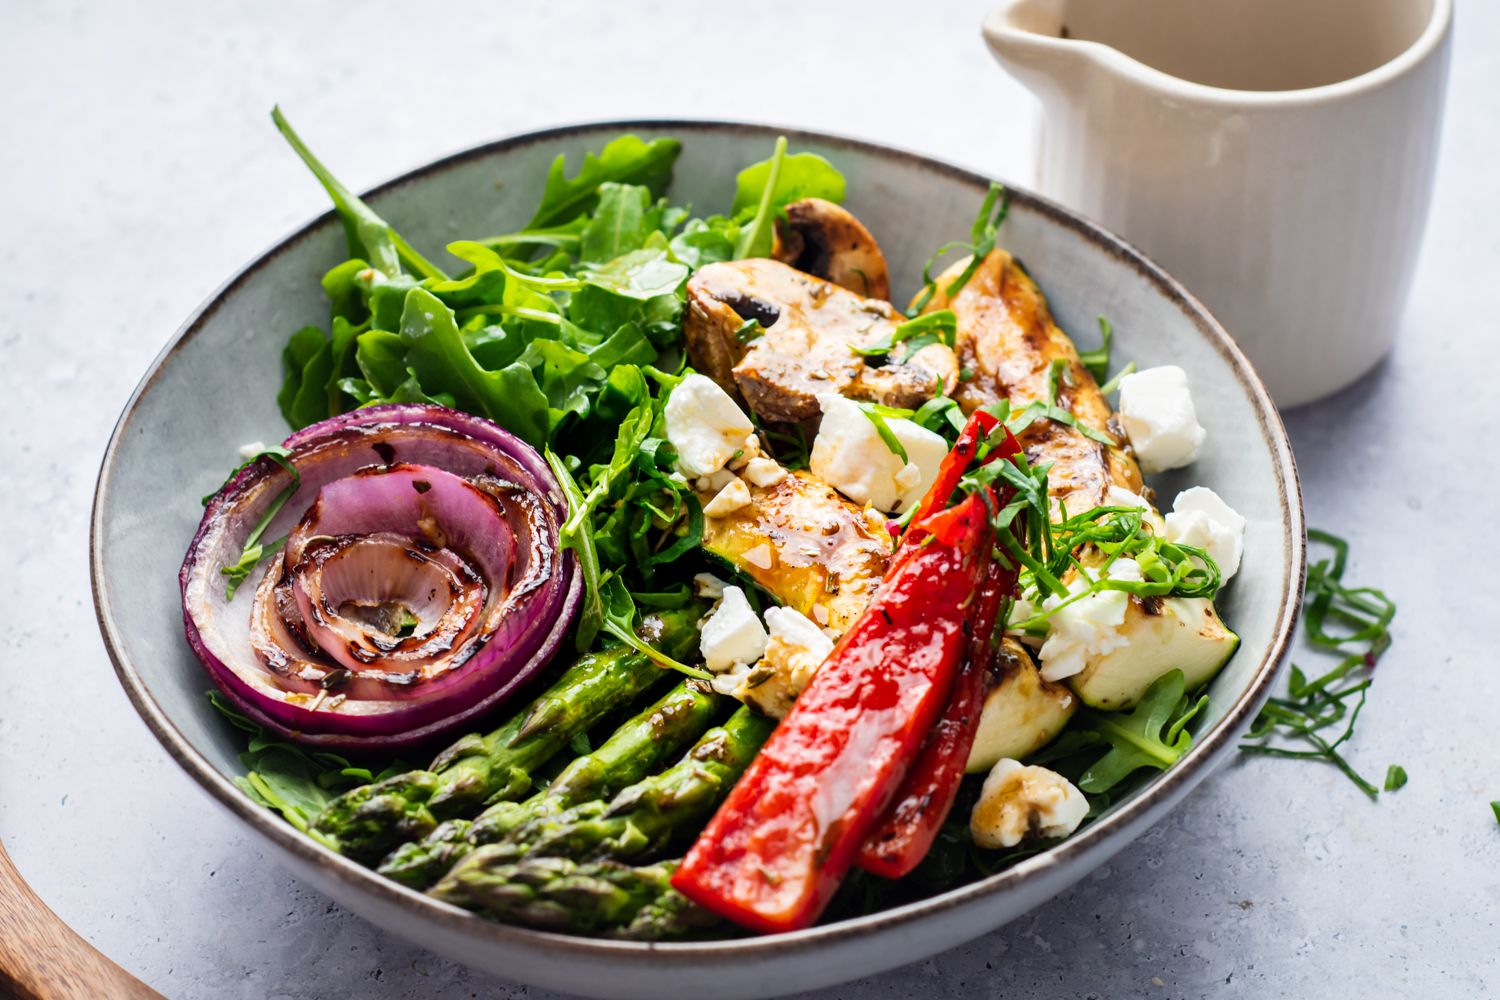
point(1028, 38)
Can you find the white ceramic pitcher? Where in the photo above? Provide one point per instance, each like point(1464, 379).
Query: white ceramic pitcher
point(1276, 155)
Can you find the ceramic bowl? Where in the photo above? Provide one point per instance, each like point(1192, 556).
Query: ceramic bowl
point(214, 387)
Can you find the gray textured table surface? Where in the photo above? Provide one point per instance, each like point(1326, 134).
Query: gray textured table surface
point(139, 168)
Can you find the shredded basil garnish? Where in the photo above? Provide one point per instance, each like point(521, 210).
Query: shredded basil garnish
point(1351, 621)
point(253, 551)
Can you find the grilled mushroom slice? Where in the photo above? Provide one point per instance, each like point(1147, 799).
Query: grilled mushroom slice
point(802, 346)
point(826, 241)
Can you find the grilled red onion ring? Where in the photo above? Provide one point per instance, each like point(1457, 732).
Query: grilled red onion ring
point(420, 583)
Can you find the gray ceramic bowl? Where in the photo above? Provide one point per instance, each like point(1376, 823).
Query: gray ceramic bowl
point(174, 442)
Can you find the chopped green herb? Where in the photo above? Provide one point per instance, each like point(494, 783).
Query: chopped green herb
point(1353, 621)
point(877, 414)
point(982, 237)
point(749, 330)
point(1395, 777)
point(253, 551)
point(1097, 360)
point(940, 327)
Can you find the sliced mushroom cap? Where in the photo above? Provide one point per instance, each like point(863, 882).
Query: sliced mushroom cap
point(803, 348)
point(826, 241)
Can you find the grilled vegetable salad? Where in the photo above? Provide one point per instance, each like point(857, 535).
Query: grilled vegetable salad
point(736, 595)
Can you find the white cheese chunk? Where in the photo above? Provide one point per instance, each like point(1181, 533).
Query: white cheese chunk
point(732, 634)
point(704, 425)
point(250, 449)
point(1157, 413)
point(1019, 801)
point(1201, 518)
point(850, 456)
point(748, 452)
point(728, 500)
point(709, 586)
point(1088, 627)
point(794, 652)
point(764, 472)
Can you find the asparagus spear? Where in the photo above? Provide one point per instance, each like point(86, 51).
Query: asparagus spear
point(643, 817)
point(557, 894)
point(668, 917)
point(634, 750)
point(591, 897)
point(366, 822)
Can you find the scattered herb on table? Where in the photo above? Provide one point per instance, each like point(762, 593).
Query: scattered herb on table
point(1353, 623)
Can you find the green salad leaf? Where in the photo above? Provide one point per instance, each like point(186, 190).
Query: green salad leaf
point(294, 782)
point(370, 236)
point(1154, 734)
point(628, 159)
point(763, 190)
point(438, 355)
point(794, 177)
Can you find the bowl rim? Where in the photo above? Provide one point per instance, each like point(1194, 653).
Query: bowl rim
point(1166, 787)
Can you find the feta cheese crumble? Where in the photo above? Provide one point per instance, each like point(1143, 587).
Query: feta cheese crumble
point(764, 472)
point(1157, 413)
point(1201, 518)
point(795, 651)
point(850, 456)
point(732, 634)
point(704, 425)
point(1019, 801)
point(1088, 627)
point(728, 500)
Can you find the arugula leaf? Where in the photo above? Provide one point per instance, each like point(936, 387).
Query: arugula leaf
point(763, 189)
point(626, 160)
point(567, 236)
point(876, 415)
point(619, 224)
point(440, 358)
point(620, 618)
point(706, 241)
point(1153, 734)
point(797, 176)
point(577, 534)
point(294, 782)
point(370, 236)
point(640, 274)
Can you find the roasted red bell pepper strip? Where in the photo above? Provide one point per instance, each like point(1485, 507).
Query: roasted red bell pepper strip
point(777, 849)
point(956, 462)
point(905, 833)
